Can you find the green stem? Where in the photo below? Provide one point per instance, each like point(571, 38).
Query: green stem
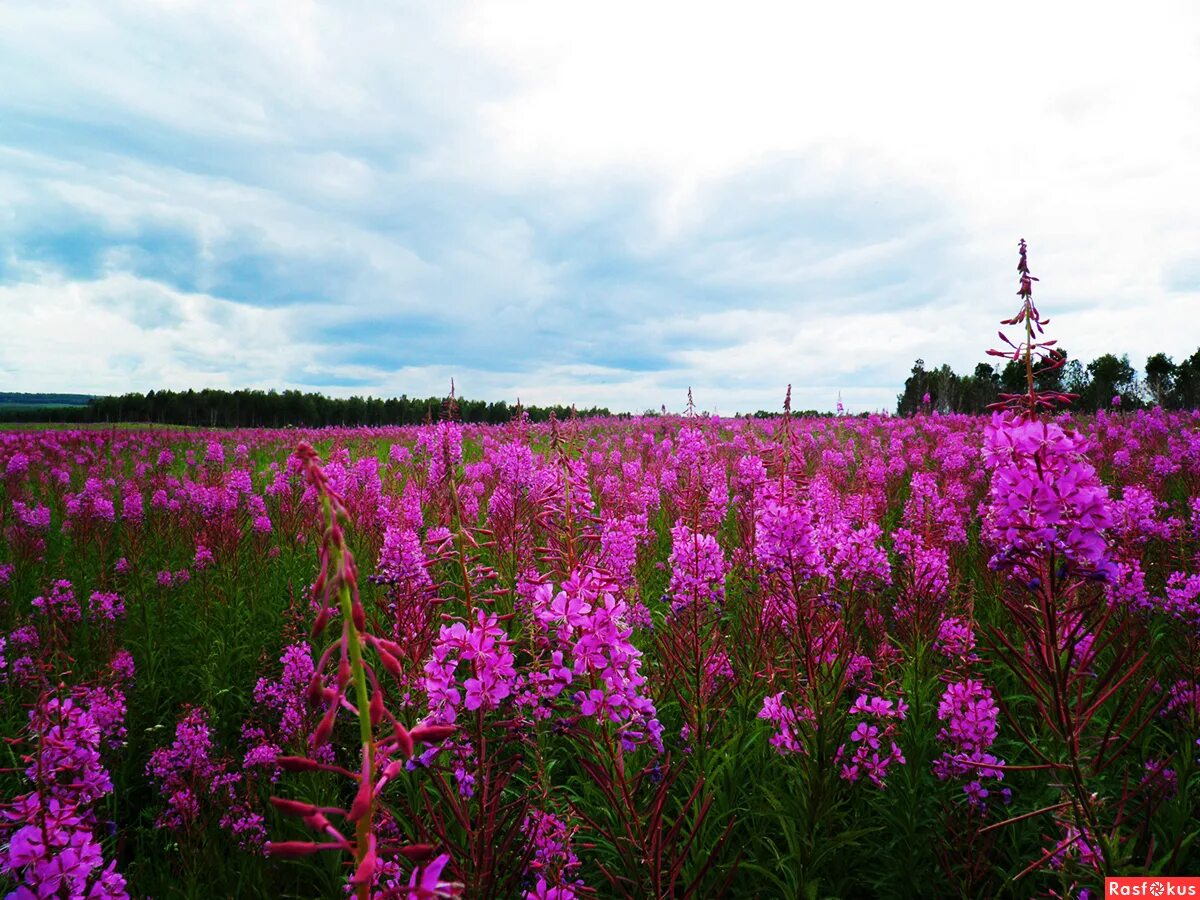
point(1029, 358)
point(359, 676)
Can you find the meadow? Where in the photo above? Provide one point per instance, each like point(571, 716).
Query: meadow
point(665, 656)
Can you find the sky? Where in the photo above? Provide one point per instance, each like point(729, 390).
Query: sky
point(600, 203)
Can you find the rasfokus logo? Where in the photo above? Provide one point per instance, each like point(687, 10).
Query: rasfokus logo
point(1144, 886)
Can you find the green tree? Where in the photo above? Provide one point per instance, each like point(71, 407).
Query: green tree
point(1160, 378)
point(915, 388)
point(1111, 376)
point(1186, 393)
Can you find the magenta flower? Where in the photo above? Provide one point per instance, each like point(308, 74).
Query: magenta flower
point(872, 749)
point(426, 882)
point(1045, 498)
point(971, 720)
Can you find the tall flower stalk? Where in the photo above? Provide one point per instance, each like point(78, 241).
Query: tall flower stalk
point(1080, 658)
point(336, 592)
point(1039, 357)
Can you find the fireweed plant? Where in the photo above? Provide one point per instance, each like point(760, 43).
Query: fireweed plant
point(659, 656)
point(341, 669)
point(1081, 654)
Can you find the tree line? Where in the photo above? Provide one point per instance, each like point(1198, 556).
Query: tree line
point(1162, 382)
point(211, 408)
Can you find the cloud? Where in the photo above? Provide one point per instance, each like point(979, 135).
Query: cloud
point(119, 333)
point(600, 205)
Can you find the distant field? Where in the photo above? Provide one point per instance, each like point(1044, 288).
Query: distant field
point(39, 406)
point(23, 400)
point(91, 426)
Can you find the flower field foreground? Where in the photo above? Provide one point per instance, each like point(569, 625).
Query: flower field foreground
point(678, 655)
point(672, 656)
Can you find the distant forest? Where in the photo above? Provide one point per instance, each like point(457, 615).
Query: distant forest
point(264, 409)
point(1163, 382)
point(43, 400)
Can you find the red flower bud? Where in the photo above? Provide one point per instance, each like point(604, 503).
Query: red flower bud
point(417, 852)
point(297, 763)
point(293, 807)
point(315, 689)
point(390, 646)
point(390, 771)
point(431, 734)
point(404, 739)
point(362, 799)
point(389, 662)
point(318, 821)
point(366, 869)
point(296, 849)
point(324, 728)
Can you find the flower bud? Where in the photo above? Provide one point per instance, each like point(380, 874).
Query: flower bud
point(296, 849)
point(297, 764)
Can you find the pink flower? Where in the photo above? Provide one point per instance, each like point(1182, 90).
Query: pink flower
point(1045, 497)
point(426, 883)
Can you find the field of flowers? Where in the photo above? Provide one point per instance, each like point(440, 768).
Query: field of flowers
point(657, 657)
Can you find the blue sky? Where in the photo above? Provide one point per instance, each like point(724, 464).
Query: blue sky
point(591, 203)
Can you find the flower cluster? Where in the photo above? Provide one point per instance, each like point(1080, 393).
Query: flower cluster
point(697, 569)
point(105, 606)
point(18, 655)
point(283, 701)
point(785, 540)
point(554, 861)
point(956, 639)
point(194, 779)
point(970, 715)
point(787, 721)
point(1045, 499)
point(51, 847)
point(588, 627)
point(60, 603)
point(483, 645)
point(1182, 598)
point(872, 748)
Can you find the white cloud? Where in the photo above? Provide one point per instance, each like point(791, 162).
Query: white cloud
point(598, 203)
point(1077, 129)
point(120, 333)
